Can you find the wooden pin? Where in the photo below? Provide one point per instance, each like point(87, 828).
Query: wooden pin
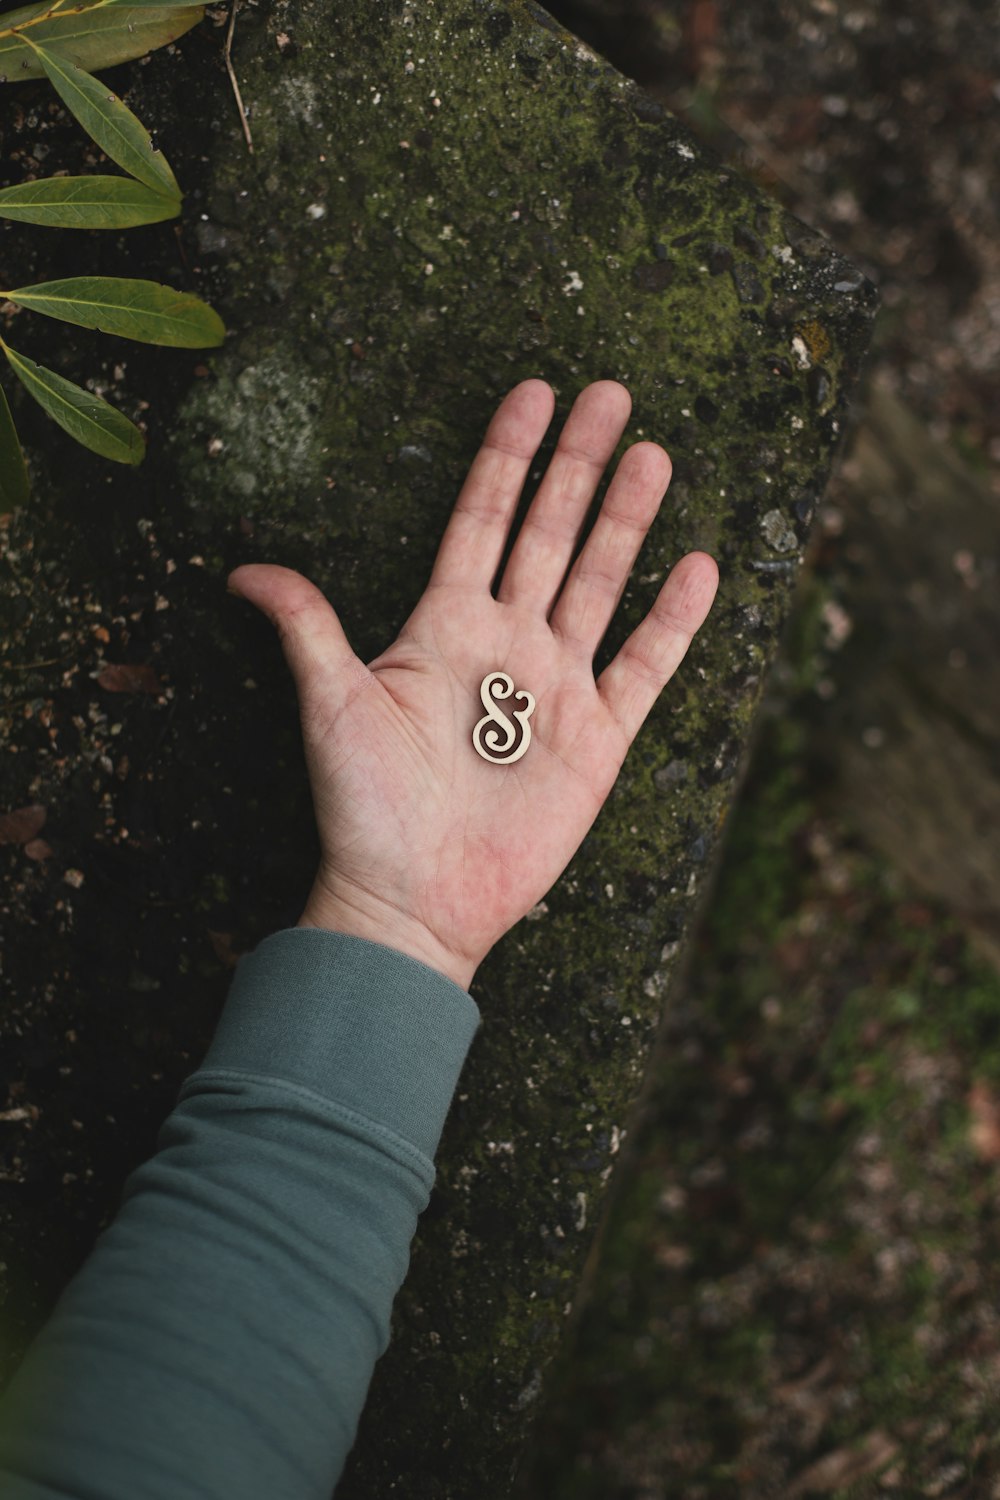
point(495, 737)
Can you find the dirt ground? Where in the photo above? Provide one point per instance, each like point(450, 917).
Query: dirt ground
point(797, 1291)
point(105, 999)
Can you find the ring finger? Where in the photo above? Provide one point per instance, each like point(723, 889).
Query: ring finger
point(598, 577)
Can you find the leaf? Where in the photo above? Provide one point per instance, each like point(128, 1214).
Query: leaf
point(129, 677)
point(23, 824)
point(89, 37)
point(145, 311)
point(984, 1124)
point(14, 487)
point(86, 203)
point(84, 416)
point(845, 1466)
point(107, 120)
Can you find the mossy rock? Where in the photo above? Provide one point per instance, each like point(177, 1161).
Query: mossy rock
point(441, 201)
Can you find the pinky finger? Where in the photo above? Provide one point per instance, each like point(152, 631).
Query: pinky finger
point(633, 681)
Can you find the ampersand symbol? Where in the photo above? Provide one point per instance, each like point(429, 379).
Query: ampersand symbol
point(516, 737)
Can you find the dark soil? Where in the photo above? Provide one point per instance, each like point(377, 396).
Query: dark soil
point(798, 1283)
point(797, 1288)
point(134, 845)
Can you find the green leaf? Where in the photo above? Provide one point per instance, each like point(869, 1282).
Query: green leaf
point(84, 416)
point(106, 119)
point(86, 203)
point(89, 37)
point(143, 310)
point(13, 474)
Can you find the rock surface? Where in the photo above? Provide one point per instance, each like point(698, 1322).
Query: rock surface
point(442, 200)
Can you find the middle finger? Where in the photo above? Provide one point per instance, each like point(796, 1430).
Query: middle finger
point(549, 532)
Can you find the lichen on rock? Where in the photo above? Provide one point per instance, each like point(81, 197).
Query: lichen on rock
point(444, 199)
point(453, 197)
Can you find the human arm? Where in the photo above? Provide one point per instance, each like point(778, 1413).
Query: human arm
point(219, 1340)
point(222, 1335)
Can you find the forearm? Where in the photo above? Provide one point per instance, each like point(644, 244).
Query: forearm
point(220, 1339)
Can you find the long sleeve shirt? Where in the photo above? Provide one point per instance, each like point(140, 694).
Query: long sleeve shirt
point(220, 1338)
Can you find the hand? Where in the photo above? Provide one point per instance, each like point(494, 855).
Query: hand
point(426, 846)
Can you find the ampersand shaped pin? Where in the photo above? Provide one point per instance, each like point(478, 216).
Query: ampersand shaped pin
point(487, 738)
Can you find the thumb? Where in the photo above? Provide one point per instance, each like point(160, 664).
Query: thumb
point(312, 638)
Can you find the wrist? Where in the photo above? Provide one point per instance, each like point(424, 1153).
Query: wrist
point(361, 916)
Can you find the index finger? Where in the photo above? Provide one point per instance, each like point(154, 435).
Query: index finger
point(474, 538)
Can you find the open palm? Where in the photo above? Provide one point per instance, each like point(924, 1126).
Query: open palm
point(427, 846)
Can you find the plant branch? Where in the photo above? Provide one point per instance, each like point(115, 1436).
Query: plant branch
point(232, 78)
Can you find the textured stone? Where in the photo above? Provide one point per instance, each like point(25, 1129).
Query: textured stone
point(443, 199)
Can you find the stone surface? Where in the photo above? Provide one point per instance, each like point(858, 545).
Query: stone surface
point(883, 135)
point(442, 200)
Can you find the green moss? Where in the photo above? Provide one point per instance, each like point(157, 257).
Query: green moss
point(444, 199)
